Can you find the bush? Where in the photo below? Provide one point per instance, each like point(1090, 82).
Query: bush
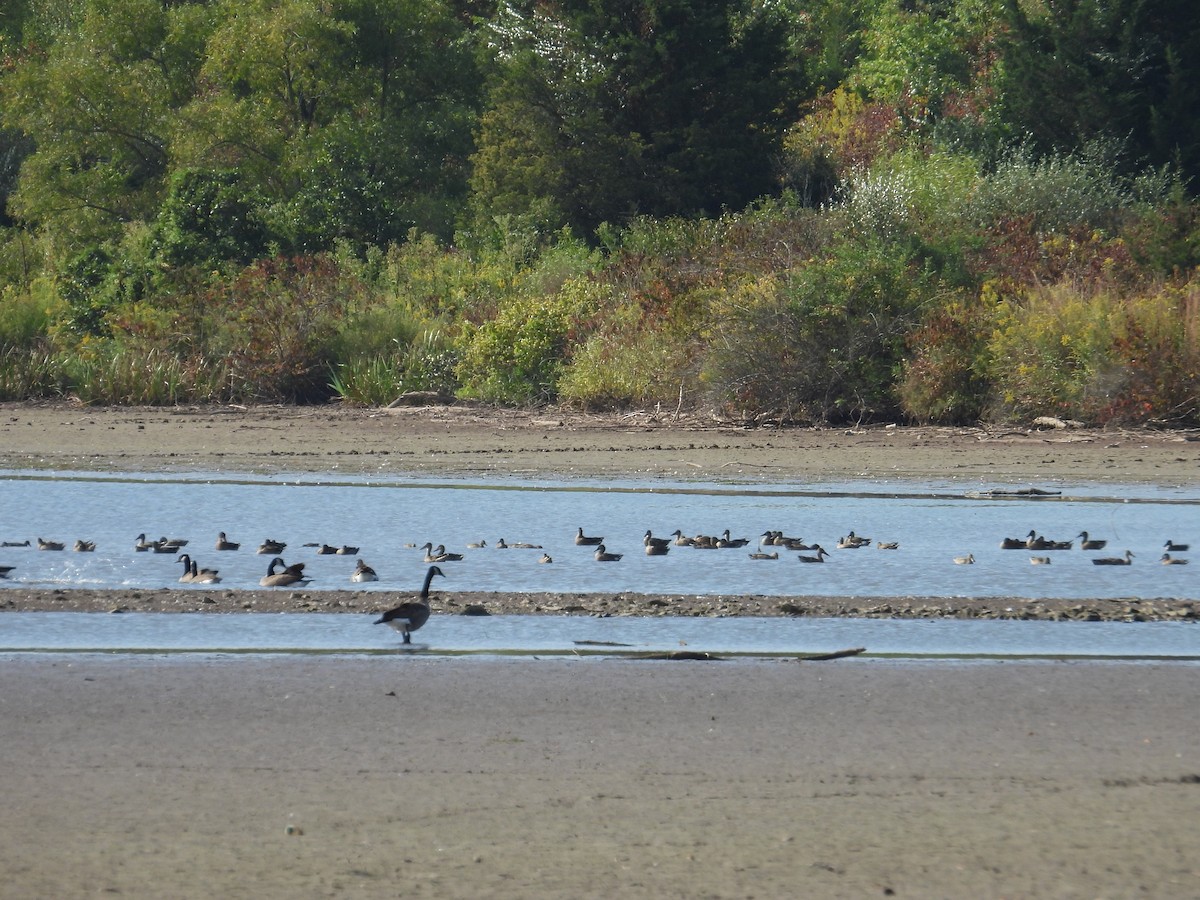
point(944, 379)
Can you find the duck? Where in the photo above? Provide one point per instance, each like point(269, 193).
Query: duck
point(546, 558)
point(273, 547)
point(24, 543)
point(1011, 543)
point(853, 541)
point(657, 549)
point(1039, 560)
point(1125, 560)
point(170, 545)
point(203, 576)
point(888, 545)
point(293, 574)
point(82, 546)
point(408, 617)
point(1171, 547)
point(1087, 543)
point(477, 545)
point(4, 570)
point(363, 572)
point(1168, 560)
point(523, 545)
point(602, 554)
point(819, 558)
point(968, 560)
point(761, 555)
point(681, 540)
point(49, 545)
point(431, 556)
point(141, 545)
point(583, 540)
point(225, 544)
point(441, 551)
point(344, 550)
point(1034, 541)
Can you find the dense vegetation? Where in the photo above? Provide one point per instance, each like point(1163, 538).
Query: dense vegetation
point(917, 210)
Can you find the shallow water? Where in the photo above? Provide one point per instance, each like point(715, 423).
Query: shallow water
point(561, 635)
point(933, 523)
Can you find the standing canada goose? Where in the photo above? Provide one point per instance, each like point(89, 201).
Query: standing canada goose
point(968, 560)
point(363, 572)
point(1171, 547)
point(224, 544)
point(760, 555)
point(293, 574)
point(1125, 560)
point(1039, 560)
point(82, 546)
point(602, 555)
point(408, 617)
point(1169, 560)
point(819, 558)
point(272, 547)
point(49, 545)
point(1087, 543)
point(583, 540)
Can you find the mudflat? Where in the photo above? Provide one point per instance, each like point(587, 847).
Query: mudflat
point(314, 776)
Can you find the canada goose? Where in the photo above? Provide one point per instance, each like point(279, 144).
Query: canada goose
point(1169, 560)
point(545, 558)
point(408, 617)
point(363, 572)
point(441, 551)
point(726, 541)
point(203, 576)
point(223, 544)
point(84, 546)
point(293, 574)
point(650, 541)
point(272, 547)
point(657, 549)
point(1087, 543)
point(968, 560)
point(1125, 560)
point(888, 545)
point(584, 540)
point(1039, 560)
point(760, 555)
point(602, 555)
point(1171, 547)
point(49, 545)
point(819, 558)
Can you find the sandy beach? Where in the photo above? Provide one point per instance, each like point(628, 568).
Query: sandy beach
point(320, 776)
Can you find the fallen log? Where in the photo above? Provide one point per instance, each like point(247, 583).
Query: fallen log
point(838, 654)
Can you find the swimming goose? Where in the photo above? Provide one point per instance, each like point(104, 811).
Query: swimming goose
point(819, 558)
point(1169, 560)
point(293, 574)
point(224, 544)
point(1171, 547)
point(1087, 543)
point(84, 546)
point(968, 560)
point(203, 576)
point(49, 545)
point(1125, 560)
point(602, 555)
point(583, 540)
point(272, 547)
point(193, 573)
point(363, 572)
point(408, 617)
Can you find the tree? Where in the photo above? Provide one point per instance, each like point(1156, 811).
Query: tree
point(601, 110)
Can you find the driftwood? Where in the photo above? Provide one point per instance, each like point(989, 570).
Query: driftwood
point(838, 654)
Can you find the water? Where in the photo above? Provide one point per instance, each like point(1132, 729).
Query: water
point(933, 524)
point(559, 635)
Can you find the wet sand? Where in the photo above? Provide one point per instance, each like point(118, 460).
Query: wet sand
point(410, 776)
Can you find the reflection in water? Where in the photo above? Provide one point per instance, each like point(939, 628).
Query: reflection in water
point(931, 523)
